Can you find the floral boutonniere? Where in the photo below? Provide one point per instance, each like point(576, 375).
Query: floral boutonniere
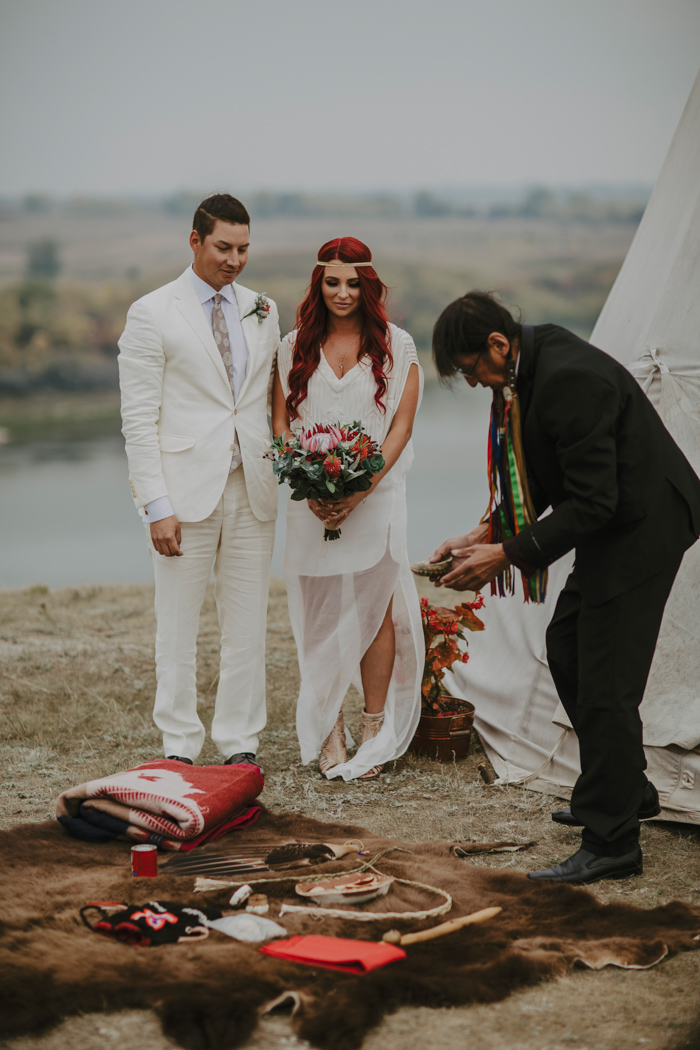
point(261, 307)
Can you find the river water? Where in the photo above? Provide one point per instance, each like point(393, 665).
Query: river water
point(67, 517)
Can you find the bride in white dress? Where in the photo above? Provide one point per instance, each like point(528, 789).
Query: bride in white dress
point(352, 602)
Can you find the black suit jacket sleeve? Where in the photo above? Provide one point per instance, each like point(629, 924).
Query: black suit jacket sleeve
point(578, 411)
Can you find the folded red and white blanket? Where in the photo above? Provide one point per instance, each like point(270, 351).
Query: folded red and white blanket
point(167, 803)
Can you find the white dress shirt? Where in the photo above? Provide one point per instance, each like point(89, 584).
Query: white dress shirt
point(162, 508)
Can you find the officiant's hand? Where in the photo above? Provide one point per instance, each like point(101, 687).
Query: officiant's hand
point(166, 536)
point(474, 566)
point(477, 535)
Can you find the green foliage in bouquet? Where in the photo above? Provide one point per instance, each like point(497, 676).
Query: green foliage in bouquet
point(327, 462)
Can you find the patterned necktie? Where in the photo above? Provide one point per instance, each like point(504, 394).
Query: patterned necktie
point(218, 324)
point(220, 330)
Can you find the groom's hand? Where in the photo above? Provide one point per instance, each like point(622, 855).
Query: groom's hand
point(166, 537)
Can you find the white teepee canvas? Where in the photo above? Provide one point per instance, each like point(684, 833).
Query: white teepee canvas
point(650, 323)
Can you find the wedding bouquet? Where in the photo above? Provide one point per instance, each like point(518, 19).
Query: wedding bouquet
point(443, 630)
point(328, 461)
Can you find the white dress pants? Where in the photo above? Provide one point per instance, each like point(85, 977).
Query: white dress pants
point(238, 546)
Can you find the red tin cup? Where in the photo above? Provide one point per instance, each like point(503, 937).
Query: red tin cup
point(144, 861)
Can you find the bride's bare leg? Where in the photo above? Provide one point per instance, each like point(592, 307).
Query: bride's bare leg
point(377, 665)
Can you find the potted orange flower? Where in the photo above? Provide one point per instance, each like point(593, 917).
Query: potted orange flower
point(444, 730)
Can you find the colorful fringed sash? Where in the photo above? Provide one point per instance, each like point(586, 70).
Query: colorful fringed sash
point(510, 506)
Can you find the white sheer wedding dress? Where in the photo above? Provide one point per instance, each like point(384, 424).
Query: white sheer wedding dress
point(339, 591)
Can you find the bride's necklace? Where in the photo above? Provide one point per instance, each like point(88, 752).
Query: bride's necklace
point(341, 360)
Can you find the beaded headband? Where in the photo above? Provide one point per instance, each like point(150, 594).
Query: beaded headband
point(322, 262)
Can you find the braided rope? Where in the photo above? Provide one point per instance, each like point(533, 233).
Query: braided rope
point(204, 885)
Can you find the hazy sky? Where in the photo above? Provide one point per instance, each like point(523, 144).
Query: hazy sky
point(113, 96)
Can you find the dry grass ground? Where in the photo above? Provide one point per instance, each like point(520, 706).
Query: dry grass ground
point(76, 686)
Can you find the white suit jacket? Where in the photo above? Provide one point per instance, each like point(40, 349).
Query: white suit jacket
point(178, 413)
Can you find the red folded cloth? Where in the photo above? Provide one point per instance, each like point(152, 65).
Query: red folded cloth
point(169, 803)
point(335, 953)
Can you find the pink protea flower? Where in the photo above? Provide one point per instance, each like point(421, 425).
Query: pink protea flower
point(320, 439)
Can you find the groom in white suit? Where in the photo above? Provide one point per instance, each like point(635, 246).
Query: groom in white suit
point(195, 366)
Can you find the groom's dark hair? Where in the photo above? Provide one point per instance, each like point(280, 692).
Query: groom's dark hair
point(221, 206)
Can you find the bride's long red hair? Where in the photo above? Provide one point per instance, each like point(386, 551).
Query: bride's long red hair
point(312, 323)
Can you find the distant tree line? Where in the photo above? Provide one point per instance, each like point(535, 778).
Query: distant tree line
point(538, 202)
point(56, 334)
point(61, 335)
point(56, 337)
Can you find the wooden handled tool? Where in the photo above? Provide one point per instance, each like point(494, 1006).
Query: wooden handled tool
point(394, 937)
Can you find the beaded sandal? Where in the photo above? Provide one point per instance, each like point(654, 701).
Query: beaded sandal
point(333, 751)
point(371, 724)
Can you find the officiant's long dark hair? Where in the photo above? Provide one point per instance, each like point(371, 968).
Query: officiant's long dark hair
point(312, 321)
point(464, 327)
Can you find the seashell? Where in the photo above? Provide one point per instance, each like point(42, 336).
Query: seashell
point(432, 569)
point(346, 889)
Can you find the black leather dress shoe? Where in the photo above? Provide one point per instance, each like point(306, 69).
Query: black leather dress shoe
point(245, 758)
point(179, 758)
point(585, 867)
point(649, 808)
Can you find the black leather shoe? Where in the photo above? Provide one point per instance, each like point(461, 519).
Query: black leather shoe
point(245, 758)
point(179, 758)
point(585, 867)
point(649, 808)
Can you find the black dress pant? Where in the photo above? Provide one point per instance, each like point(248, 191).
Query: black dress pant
point(600, 659)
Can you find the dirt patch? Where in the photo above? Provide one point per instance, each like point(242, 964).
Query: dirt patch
point(76, 688)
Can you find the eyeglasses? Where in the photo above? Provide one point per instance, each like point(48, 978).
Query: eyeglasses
point(469, 372)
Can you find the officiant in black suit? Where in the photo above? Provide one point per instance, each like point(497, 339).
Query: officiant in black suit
point(625, 498)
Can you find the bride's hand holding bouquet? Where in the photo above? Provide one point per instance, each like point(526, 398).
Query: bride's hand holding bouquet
point(334, 514)
point(332, 466)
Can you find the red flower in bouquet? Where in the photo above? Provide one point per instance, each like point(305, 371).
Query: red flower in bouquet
point(327, 461)
point(332, 466)
point(443, 630)
point(362, 448)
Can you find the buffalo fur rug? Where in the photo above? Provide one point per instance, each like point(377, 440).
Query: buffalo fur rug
point(209, 994)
